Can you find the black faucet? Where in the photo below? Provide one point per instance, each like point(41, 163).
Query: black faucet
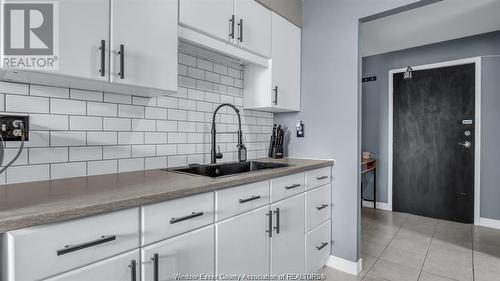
point(242, 150)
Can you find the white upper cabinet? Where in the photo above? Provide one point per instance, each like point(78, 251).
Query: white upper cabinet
point(253, 27)
point(144, 43)
point(276, 88)
point(213, 17)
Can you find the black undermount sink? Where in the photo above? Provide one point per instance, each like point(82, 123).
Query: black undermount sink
point(226, 169)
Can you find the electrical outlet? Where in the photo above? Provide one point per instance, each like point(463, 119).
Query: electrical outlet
point(10, 129)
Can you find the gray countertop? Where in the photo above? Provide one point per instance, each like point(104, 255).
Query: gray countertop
point(29, 204)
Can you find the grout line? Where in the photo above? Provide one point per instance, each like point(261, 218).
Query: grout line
point(428, 249)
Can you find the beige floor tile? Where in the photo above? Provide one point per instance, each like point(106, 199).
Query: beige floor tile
point(426, 276)
point(372, 249)
point(337, 275)
point(486, 267)
point(371, 277)
point(448, 269)
point(411, 244)
point(393, 271)
point(460, 258)
point(403, 257)
point(368, 262)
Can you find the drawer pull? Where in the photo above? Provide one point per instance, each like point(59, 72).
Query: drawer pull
point(155, 266)
point(73, 248)
point(277, 227)
point(322, 246)
point(188, 217)
point(321, 178)
point(249, 199)
point(292, 186)
point(270, 221)
point(322, 207)
point(133, 270)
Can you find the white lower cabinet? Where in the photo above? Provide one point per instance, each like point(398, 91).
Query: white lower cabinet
point(119, 268)
point(190, 253)
point(318, 247)
point(243, 243)
point(287, 242)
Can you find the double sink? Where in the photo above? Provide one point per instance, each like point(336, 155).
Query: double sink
point(227, 169)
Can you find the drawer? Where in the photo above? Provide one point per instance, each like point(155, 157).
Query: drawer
point(318, 177)
point(318, 247)
point(287, 186)
point(118, 268)
point(237, 200)
point(318, 206)
point(166, 219)
point(43, 251)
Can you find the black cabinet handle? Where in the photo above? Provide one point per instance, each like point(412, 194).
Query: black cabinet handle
point(321, 246)
point(249, 199)
point(103, 58)
point(122, 61)
point(292, 186)
point(277, 227)
point(275, 101)
point(155, 266)
point(270, 221)
point(73, 248)
point(321, 178)
point(133, 270)
point(240, 27)
point(322, 207)
point(188, 217)
point(231, 27)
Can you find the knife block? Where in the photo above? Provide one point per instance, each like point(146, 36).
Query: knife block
point(278, 152)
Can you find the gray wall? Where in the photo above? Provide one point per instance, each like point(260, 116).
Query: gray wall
point(375, 108)
point(331, 105)
point(289, 9)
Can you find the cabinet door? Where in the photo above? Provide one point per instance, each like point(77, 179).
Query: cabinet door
point(253, 26)
point(190, 253)
point(147, 29)
point(287, 243)
point(118, 268)
point(208, 16)
point(243, 243)
point(285, 64)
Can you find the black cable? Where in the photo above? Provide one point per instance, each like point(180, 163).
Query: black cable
point(18, 153)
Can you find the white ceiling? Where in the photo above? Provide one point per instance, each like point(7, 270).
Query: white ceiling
point(441, 21)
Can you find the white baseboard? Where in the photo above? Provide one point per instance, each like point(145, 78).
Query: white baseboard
point(344, 265)
point(380, 205)
point(491, 223)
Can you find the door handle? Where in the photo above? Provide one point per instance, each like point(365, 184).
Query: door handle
point(275, 101)
point(73, 248)
point(133, 270)
point(102, 48)
point(321, 178)
point(321, 246)
point(322, 207)
point(270, 222)
point(188, 217)
point(231, 27)
point(240, 30)
point(466, 144)
point(292, 186)
point(155, 266)
point(122, 61)
point(249, 199)
point(277, 227)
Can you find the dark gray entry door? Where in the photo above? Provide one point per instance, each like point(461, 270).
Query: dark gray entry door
point(433, 143)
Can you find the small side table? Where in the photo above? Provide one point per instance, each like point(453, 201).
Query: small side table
point(367, 166)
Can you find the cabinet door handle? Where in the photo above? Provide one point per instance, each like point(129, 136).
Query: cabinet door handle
point(231, 27)
point(102, 48)
point(155, 266)
point(321, 246)
point(122, 61)
point(133, 270)
point(73, 248)
point(277, 227)
point(249, 199)
point(240, 28)
point(188, 217)
point(275, 101)
point(292, 186)
point(322, 207)
point(321, 178)
point(270, 221)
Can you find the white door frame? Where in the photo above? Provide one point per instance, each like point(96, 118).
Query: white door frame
point(477, 131)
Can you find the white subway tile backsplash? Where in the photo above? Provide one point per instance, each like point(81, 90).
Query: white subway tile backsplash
point(62, 106)
point(48, 155)
point(67, 138)
point(47, 91)
point(76, 133)
point(102, 167)
point(68, 170)
point(102, 109)
point(85, 123)
point(10, 153)
point(15, 103)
